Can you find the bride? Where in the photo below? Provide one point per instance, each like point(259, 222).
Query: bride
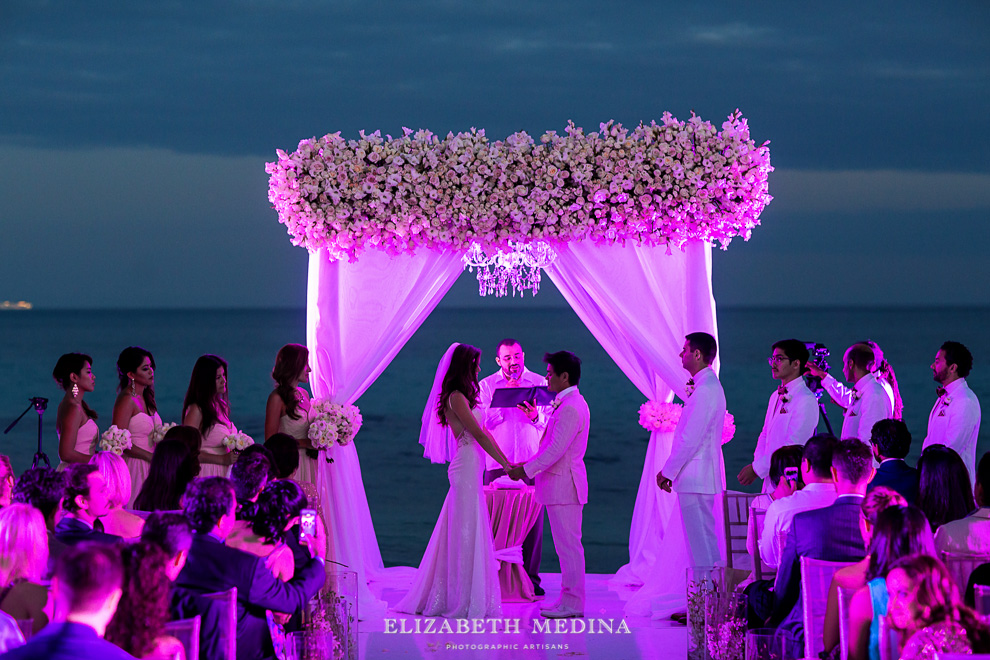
point(458, 576)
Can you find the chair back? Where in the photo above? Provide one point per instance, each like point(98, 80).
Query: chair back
point(760, 570)
point(961, 566)
point(845, 600)
point(816, 577)
point(228, 624)
point(981, 600)
point(890, 647)
point(735, 514)
point(187, 632)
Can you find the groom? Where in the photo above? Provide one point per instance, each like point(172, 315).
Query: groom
point(561, 478)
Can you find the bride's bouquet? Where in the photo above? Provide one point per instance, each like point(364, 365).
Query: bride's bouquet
point(333, 423)
point(237, 441)
point(655, 416)
point(158, 433)
point(116, 440)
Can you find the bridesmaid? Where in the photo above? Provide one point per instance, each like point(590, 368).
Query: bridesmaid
point(76, 421)
point(136, 411)
point(288, 406)
point(207, 408)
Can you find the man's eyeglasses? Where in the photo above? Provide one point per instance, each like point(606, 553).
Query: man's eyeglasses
point(777, 359)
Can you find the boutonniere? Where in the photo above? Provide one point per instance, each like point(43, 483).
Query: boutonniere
point(555, 403)
point(689, 387)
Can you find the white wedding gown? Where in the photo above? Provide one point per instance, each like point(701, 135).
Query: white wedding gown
point(458, 577)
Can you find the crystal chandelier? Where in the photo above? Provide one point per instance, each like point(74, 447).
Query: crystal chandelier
point(518, 266)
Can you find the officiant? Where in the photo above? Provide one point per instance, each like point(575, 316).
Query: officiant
point(517, 432)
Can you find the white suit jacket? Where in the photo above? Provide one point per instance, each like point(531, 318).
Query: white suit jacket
point(695, 463)
point(866, 404)
point(787, 423)
point(558, 466)
point(955, 423)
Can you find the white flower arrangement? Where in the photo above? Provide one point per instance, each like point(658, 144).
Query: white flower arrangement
point(656, 416)
point(115, 440)
point(158, 433)
point(333, 423)
point(237, 441)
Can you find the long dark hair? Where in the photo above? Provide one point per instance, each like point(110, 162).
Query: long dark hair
point(129, 361)
point(277, 504)
point(945, 492)
point(143, 609)
point(68, 364)
point(172, 467)
point(899, 531)
point(461, 376)
point(203, 391)
point(289, 363)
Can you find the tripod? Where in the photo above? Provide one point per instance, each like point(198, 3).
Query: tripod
point(39, 404)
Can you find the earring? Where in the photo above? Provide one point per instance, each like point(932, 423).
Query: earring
point(75, 389)
point(133, 388)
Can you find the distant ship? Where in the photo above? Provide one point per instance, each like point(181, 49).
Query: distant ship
point(7, 305)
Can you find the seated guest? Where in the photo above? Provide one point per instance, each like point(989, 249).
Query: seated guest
point(138, 626)
point(891, 443)
point(925, 606)
point(830, 533)
point(945, 492)
point(970, 535)
point(211, 509)
point(6, 481)
point(285, 458)
point(249, 475)
point(86, 588)
point(783, 458)
point(191, 438)
point(819, 491)
point(267, 523)
point(171, 532)
point(85, 502)
point(854, 577)
point(23, 563)
point(10, 633)
point(172, 467)
point(44, 489)
point(118, 480)
point(900, 531)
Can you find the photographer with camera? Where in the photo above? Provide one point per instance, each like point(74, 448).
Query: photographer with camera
point(867, 401)
point(792, 413)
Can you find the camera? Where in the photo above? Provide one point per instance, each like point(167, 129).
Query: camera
point(818, 356)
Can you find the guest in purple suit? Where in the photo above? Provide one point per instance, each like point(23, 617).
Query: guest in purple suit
point(891, 443)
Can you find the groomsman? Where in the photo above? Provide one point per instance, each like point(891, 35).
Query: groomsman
point(792, 414)
point(695, 469)
point(867, 402)
point(517, 432)
point(955, 417)
point(562, 480)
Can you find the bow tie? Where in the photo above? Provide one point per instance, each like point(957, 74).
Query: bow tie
point(940, 392)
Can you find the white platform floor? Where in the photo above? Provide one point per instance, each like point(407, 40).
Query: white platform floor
point(645, 638)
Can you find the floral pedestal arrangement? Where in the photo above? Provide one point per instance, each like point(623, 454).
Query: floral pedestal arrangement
point(725, 625)
point(333, 614)
point(701, 582)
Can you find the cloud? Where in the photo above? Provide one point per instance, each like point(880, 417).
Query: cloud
point(732, 34)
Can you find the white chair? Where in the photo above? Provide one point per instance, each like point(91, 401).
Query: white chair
point(760, 570)
point(889, 641)
point(845, 600)
point(735, 510)
point(228, 624)
point(981, 600)
point(816, 577)
point(961, 566)
point(187, 632)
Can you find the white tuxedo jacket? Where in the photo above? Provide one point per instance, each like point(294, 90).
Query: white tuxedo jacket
point(866, 403)
point(790, 422)
point(558, 466)
point(955, 422)
point(695, 463)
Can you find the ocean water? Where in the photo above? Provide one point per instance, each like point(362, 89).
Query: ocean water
point(405, 491)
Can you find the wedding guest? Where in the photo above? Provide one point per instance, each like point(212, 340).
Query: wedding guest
point(172, 468)
point(118, 521)
point(44, 489)
point(135, 410)
point(85, 502)
point(891, 442)
point(868, 401)
point(249, 476)
point(285, 457)
point(782, 459)
point(887, 379)
point(970, 535)
point(7, 481)
point(955, 418)
point(211, 509)
point(191, 438)
point(792, 413)
point(10, 633)
point(23, 563)
point(830, 533)
point(819, 491)
point(75, 421)
point(945, 492)
point(170, 531)
point(288, 406)
point(517, 432)
point(925, 605)
point(695, 469)
point(207, 408)
point(267, 524)
point(138, 625)
point(86, 589)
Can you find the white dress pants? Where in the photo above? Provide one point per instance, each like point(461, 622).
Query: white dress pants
point(698, 514)
point(565, 524)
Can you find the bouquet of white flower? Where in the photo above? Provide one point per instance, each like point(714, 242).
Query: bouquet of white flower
point(333, 423)
point(656, 416)
point(116, 440)
point(158, 433)
point(237, 441)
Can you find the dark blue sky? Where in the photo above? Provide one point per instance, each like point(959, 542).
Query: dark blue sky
point(133, 135)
